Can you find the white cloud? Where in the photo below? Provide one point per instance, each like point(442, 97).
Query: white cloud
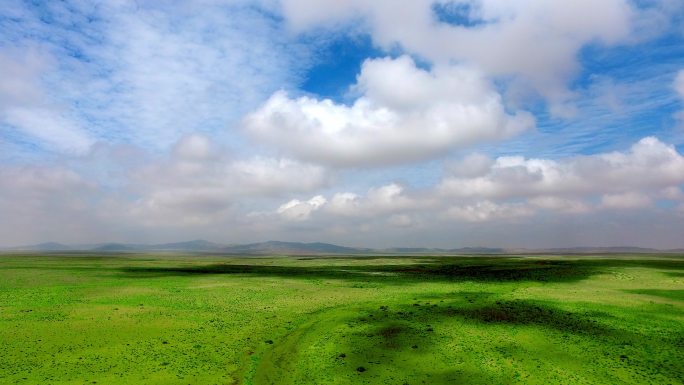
point(21, 72)
point(345, 203)
point(270, 176)
point(100, 196)
point(193, 146)
point(679, 88)
point(471, 166)
point(137, 105)
point(679, 84)
point(26, 105)
point(296, 210)
point(536, 41)
point(377, 201)
point(50, 126)
point(197, 185)
point(563, 205)
point(514, 188)
point(673, 193)
point(628, 200)
point(186, 68)
point(649, 164)
point(404, 114)
point(45, 203)
point(401, 220)
point(388, 198)
point(198, 191)
point(486, 211)
point(660, 17)
point(143, 73)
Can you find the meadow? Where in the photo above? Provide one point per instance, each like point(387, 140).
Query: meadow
point(202, 319)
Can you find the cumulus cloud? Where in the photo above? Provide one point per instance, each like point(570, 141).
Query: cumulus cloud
point(195, 186)
point(389, 205)
point(198, 185)
point(515, 188)
point(404, 114)
point(472, 165)
point(198, 189)
point(483, 211)
point(296, 210)
point(648, 165)
point(381, 200)
point(536, 41)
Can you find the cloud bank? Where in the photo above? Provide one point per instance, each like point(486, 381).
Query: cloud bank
point(513, 188)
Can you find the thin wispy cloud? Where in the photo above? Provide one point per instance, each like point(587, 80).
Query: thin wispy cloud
point(144, 73)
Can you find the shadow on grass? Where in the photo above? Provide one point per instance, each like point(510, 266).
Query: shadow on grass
point(533, 314)
point(390, 336)
point(482, 308)
point(490, 269)
point(677, 295)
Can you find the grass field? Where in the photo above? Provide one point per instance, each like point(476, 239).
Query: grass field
point(171, 319)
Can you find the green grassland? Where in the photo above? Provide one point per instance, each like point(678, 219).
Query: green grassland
point(172, 319)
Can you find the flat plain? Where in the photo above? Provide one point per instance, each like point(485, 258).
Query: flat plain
point(210, 319)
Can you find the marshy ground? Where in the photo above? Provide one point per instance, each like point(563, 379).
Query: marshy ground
point(187, 319)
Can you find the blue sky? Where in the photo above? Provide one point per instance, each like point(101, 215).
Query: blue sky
point(430, 123)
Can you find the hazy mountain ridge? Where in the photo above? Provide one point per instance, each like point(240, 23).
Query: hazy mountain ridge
point(318, 248)
point(271, 247)
point(46, 246)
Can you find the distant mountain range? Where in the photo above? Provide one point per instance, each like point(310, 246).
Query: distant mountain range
point(315, 248)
